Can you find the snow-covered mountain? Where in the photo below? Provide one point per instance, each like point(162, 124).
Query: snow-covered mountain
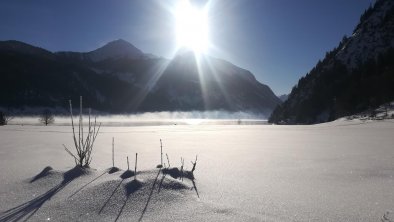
point(372, 37)
point(355, 76)
point(118, 77)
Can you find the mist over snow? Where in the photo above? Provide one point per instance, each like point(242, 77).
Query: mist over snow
point(198, 115)
point(151, 118)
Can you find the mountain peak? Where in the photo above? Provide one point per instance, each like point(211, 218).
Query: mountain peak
point(116, 49)
point(119, 42)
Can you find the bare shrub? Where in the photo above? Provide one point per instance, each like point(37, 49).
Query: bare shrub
point(180, 173)
point(83, 145)
point(4, 118)
point(47, 117)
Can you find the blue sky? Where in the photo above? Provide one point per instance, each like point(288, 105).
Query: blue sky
point(277, 40)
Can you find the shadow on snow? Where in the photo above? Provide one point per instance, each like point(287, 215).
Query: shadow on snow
point(29, 208)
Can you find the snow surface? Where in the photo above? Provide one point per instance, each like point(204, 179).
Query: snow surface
point(338, 171)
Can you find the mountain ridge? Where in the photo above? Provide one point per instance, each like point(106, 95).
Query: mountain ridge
point(116, 49)
point(127, 81)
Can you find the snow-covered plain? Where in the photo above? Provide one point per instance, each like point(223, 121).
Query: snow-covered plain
point(338, 171)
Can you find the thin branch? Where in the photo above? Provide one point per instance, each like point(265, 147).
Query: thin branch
point(71, 154)
point(135, 168)
point(113, 150)
point(194, 165)
point(168, 160)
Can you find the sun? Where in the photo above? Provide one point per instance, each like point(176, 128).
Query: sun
point(191, 27)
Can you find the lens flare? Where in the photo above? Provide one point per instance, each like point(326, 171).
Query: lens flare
point(191, 27)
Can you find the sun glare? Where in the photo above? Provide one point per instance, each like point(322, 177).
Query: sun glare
point(191, 27)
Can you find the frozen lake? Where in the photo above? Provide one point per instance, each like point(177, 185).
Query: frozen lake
point(340, 171)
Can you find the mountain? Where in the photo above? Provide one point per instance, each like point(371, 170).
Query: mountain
point(283, 97)
point(119, 78)
point(208, 84)
point(118, 49)
point(356, 76)
point(39, 78)
point(16, 47)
